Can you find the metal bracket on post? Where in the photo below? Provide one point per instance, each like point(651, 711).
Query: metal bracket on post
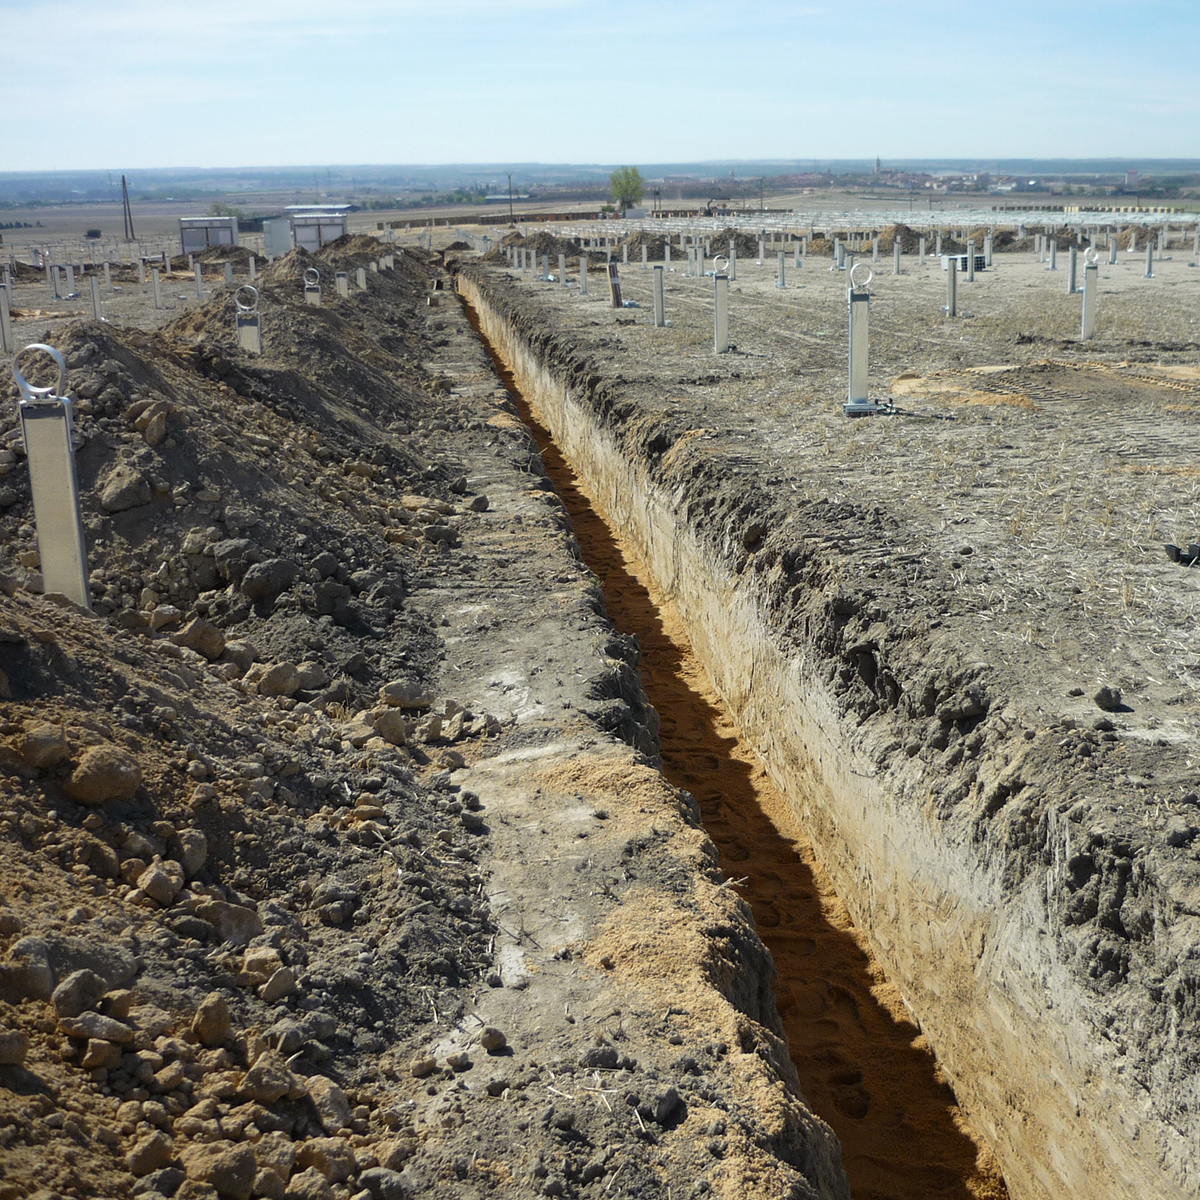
point(249, 321)
point(46, 426)
point(859, 297)
point(312, 287)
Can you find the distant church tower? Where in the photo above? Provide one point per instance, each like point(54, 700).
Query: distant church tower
point(878, 167)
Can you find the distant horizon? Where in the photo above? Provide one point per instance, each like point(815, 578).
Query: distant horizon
point(785, 165)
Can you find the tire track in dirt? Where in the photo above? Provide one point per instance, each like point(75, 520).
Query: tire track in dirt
point(863, 1065)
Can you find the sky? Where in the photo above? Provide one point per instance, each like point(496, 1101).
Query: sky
point(126, 84)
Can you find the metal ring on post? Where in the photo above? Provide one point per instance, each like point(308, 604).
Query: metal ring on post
point(27, 388)
point(312, 277)
point(1090, 257)
point(861, 287)
point(720, 258)
point(242, 306)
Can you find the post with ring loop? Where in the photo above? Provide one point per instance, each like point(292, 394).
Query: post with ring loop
point(249, 320)
point(46, 426)
point(859, 294)
point(720, 307)
point(312, 287)
point(1091, 291)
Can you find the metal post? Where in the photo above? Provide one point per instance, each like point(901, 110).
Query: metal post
point(71, 292)
point(360, 278)
point(199, 285)
point(700, 261)
point(341, 283)
point(896, 256)
point(875, 248)
point(667, 252)
point(46, 423)
point(156, 286)
point(253, 265)
point(720, 313)
point(624, 254)
point(659, 306)
point(562, 270)
point(952, 286)
point(732, 270)
point(921, 251)
point(645, 264)
point(938, 247)
point(760, 249)
point(1113, 244)
point(545, 267)
point(7, 345)
point(228, 273)
point(249, 321)
point(614, 284)
point(108, 275)
point(1196, 247)
point(988, 247)
point(840, 254)
point(859, 303)
point(781, 281)
point(797, 257)
point(94, 284)
point(1149, 258)
point(583, 273)
point(1072, 269)
point(971, 260)
point(1053, 265)
point(1091, 291)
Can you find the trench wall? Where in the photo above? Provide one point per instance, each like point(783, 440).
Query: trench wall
point(1017, 1030)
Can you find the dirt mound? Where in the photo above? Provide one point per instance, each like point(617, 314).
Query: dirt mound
point(747, 244)
point(238, 255)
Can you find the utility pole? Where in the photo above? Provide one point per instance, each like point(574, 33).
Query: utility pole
point(130, 236)
point(512, 220)
point(761, 181)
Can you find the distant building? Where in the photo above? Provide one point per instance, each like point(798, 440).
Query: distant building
point(1131, 180)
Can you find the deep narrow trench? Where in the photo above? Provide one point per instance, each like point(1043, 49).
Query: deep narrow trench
point(862, 1063)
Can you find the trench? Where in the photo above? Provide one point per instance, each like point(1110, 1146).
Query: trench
point(862, 1063)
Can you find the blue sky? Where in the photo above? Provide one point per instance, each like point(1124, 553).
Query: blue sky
point(155, 83)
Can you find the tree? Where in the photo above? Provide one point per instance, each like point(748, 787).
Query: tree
point(627, 186)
